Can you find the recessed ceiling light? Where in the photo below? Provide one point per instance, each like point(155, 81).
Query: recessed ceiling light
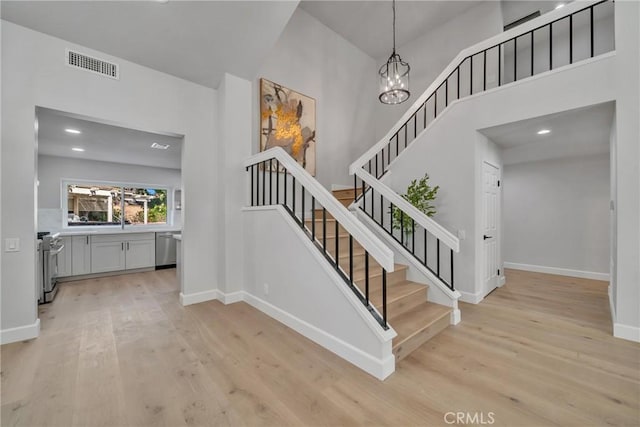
point(543, 131)
point(160, 146)
point(77, 149)
point(560, 5)
point(74, 131)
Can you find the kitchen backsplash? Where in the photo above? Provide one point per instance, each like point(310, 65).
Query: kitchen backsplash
point(51, 219)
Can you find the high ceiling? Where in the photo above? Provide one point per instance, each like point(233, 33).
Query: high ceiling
point(575, 132)
point(196, 40)
point(368, 24)
point(104, 142)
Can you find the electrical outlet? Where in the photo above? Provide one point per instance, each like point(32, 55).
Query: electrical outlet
point(12, 245)
point(266, 289)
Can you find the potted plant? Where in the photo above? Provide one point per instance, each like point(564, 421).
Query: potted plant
point(421, 195)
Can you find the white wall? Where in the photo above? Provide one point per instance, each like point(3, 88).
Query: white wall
point(627, 16)
point(52, 170)
point(556, 213)
point(295, 284)
point(34, 74)
point(429, 54)
point(312, 59)
point(448, 150)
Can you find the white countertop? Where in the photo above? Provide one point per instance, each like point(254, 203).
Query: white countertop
point(93, 231)
point(178, 237)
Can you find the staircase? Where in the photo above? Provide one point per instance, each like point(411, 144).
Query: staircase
point(414, 319)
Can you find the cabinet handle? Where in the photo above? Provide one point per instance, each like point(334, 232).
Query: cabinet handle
point(127, 245)
point(122, 245)
point(87, 240)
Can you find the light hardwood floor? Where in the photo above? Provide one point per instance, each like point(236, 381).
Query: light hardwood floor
point(121, 351)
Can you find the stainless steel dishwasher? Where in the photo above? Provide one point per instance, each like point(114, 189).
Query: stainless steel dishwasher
point(166, 249)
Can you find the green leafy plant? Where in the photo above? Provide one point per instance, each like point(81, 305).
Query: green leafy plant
point(421, 195)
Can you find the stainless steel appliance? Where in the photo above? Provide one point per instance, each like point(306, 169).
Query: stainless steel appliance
point(166, 249)
point(52, 245)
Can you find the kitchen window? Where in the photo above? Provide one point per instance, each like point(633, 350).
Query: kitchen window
point(103, 205)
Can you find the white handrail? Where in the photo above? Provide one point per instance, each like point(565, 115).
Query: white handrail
point(420, 218)
point(369, 241)
point(488, 43)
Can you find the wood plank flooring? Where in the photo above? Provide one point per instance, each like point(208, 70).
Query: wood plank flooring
point(121, 351)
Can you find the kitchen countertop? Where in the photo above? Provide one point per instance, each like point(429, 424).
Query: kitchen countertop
point(177, 237)
point(94, 231)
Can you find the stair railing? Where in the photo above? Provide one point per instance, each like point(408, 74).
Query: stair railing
point(500, 60)
point(277, 179)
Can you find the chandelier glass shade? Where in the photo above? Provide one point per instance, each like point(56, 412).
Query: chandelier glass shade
point(394, 75)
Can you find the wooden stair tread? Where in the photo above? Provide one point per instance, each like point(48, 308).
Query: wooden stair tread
point(400, 290)
point(375, 270)
point(414, 321)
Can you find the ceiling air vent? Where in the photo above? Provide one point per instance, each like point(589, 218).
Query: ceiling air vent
point(94, 65)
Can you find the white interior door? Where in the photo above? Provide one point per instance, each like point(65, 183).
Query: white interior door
point(491, 222)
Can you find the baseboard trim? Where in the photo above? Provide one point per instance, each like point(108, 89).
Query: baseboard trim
point(198, 297)
point(470, 298)
point(231, 297)
point(501, 281)
point(626, 332)
point(612, 307)
point(559, 271)
point(21, 333)
point(379, 368)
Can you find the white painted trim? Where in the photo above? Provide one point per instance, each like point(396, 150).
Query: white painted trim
point(626, 332)
point(471, 298)
point(501, 281)
point(21, 333)
point(501, 37)
point(559, 271)
point(379, 368)
point(612, 308)
point(337, 187)
point(378, 250)
point(231, 297)
point(455, 316)
point(198, 297)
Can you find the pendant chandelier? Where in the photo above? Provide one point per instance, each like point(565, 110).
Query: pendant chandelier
point(394, 75)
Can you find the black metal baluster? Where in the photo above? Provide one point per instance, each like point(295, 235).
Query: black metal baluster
point(391, 219)
point(382, 160)
point(381, 211)
point(515, 59)
point(264, 181)
point(302, 209)
point(435, 104)
point(571, 39)
point(337, 246)
point(425, 247)
point(384, 296)
point(499, 64)
point(446, 92)
point(278, 182)
point(551, 46)
point(413, 236)
point(257, 184)
point(369, 165)
point(251, 173)
point(415, 125)
point(270, 181)
point(363, 195)
point(405, 135)
point(293, 195)
point(438, 257)
point(351, 258)
point(285, 187)
point(324, 229)
point(313, 219)
point(377, 166)
point(366, 276)
point(458, 82)
point(470, 75)
point(424, 106)
point(355, 187)
point(402, 227)
point(484, 71)
point(372, 202)
point(389, 153)
point(531, 53)
point(397, 145)
point(451, 254)
point(591, 27)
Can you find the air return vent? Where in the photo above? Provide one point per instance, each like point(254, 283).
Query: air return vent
point(94, 65)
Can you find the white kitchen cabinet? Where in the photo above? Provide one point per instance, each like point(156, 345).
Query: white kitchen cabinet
point(64, 258)
point(80, 255)
point(116, 252)
point(107, 256)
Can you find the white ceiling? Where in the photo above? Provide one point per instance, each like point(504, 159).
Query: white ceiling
point(368, 24)
point(195, 40)
point(104, 142)
point(573, 133)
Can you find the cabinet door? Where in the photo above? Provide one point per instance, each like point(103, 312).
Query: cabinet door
point(64, 258)
point(80, 255)
point(107, 256)
point(140, 253)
